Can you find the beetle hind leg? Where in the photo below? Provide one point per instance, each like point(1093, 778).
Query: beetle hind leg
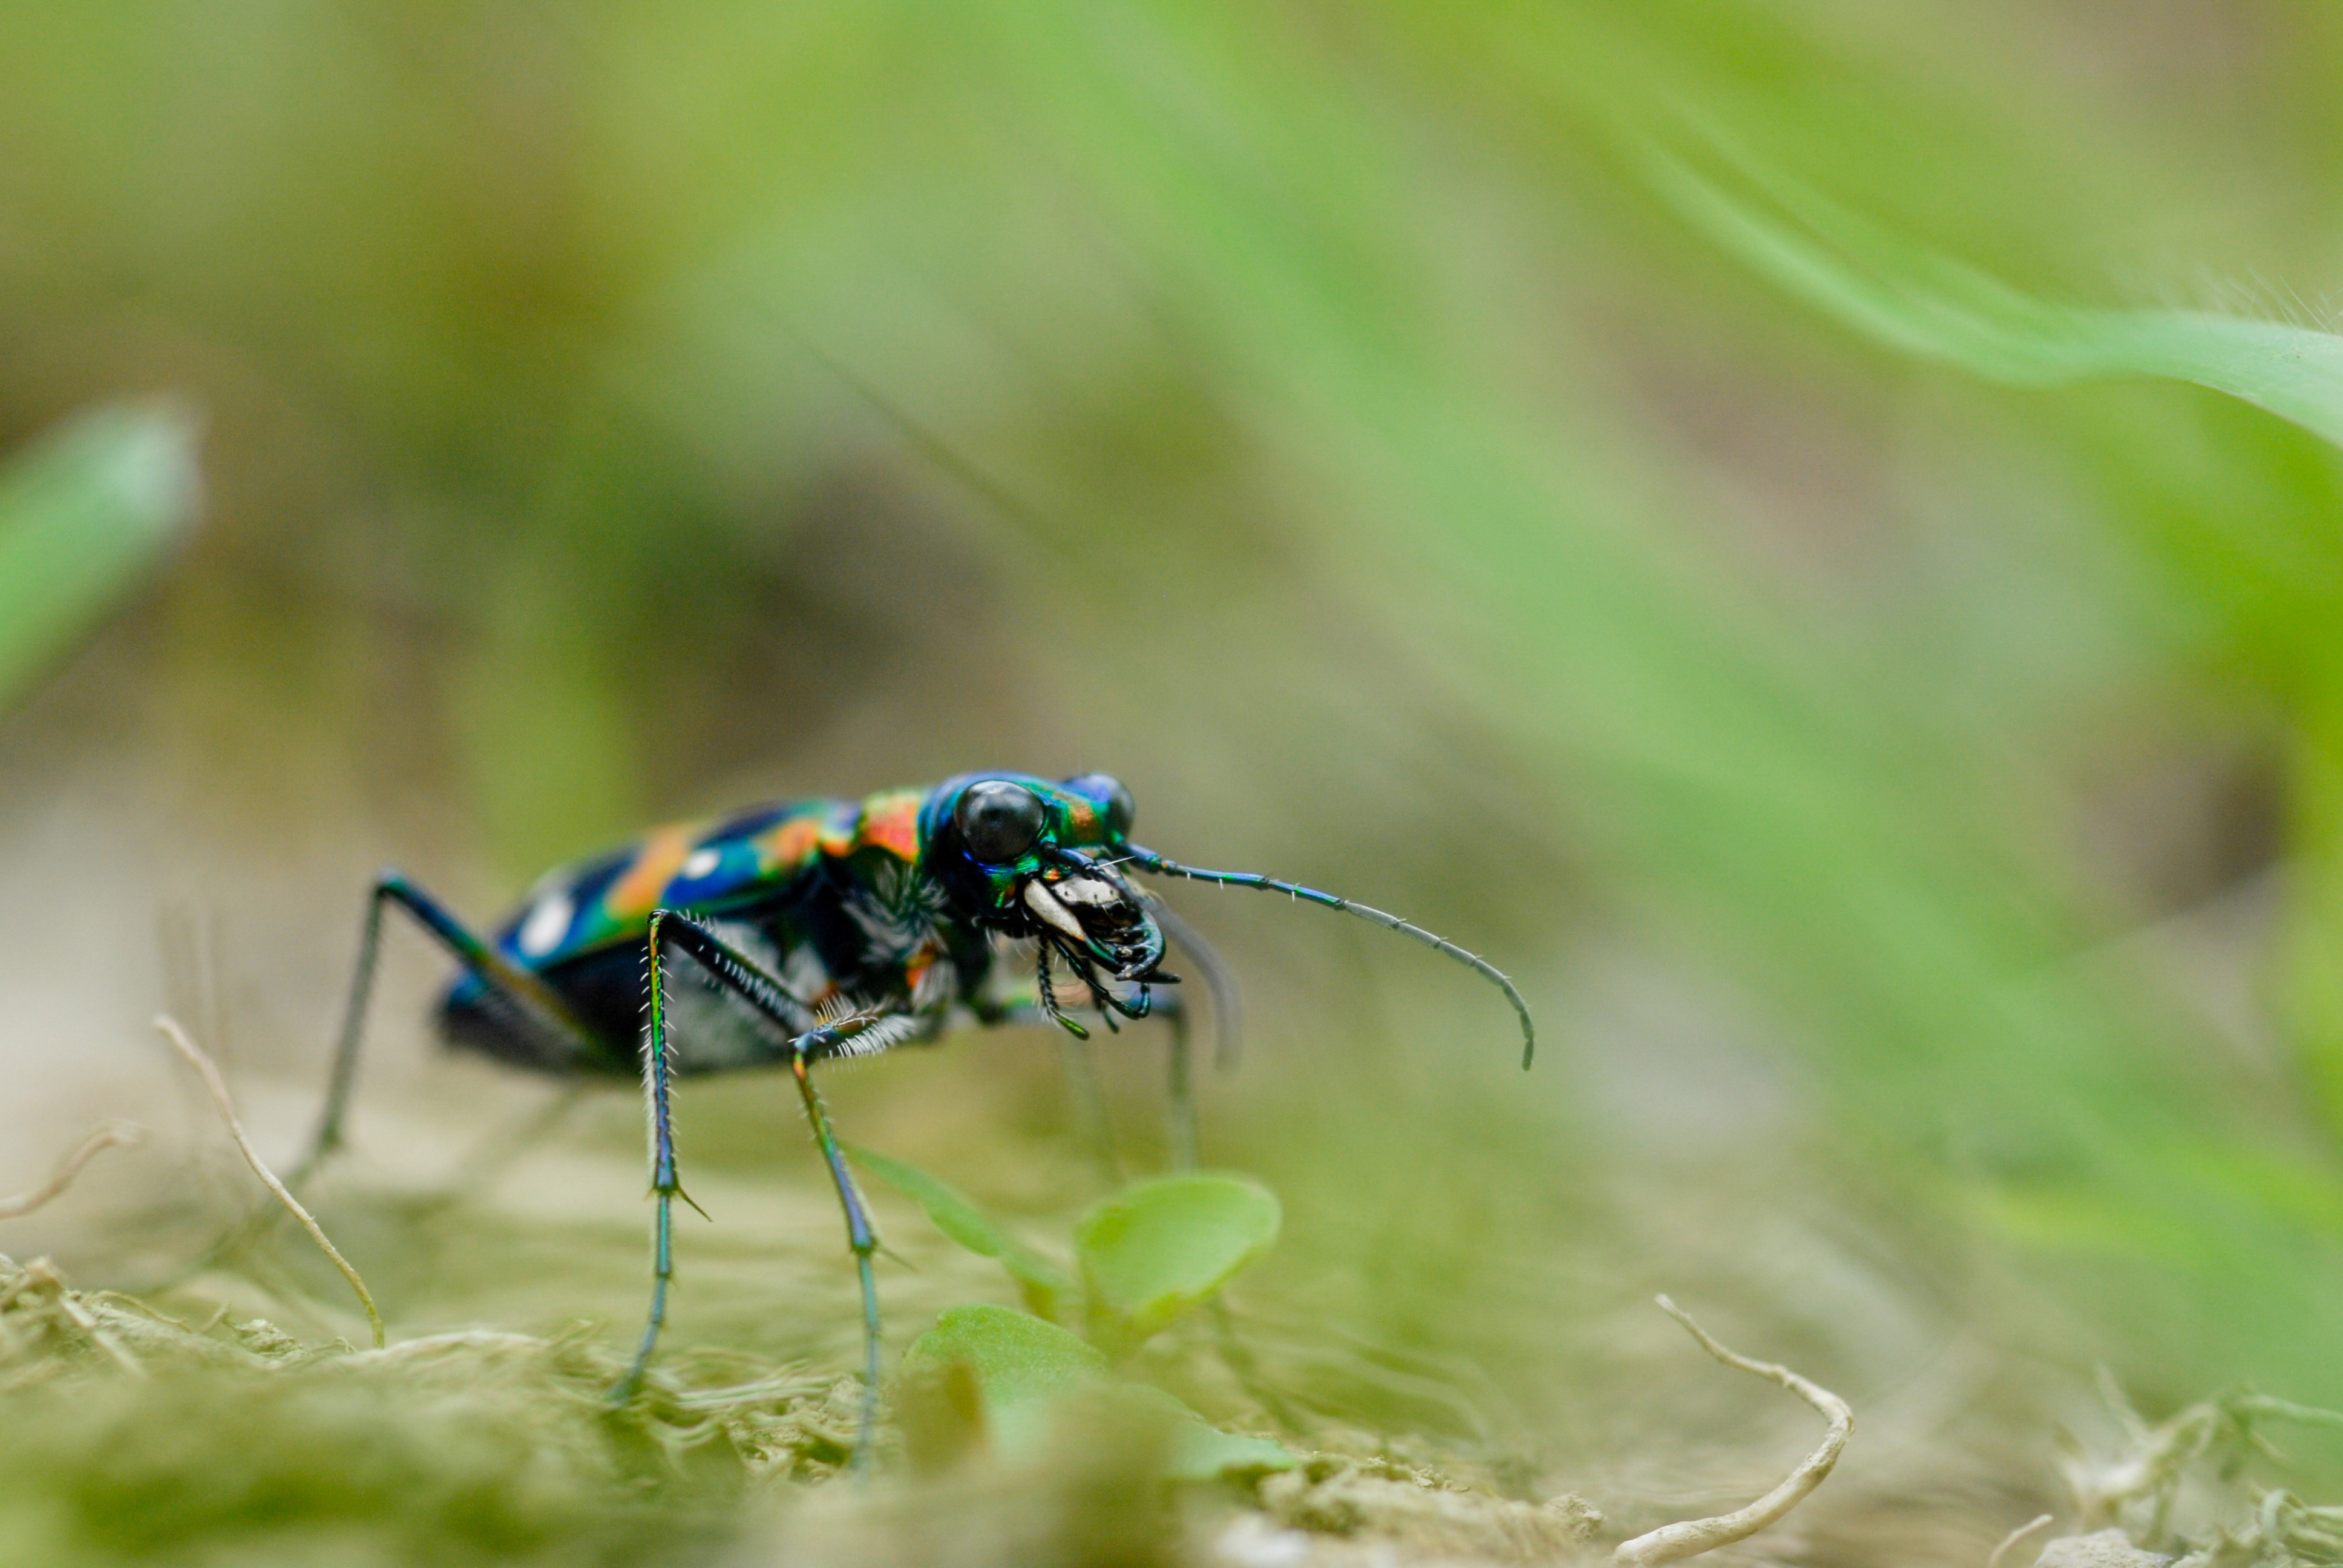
point(510, 985)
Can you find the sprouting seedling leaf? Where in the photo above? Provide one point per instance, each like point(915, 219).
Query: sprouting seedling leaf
point(1025, 1368)
point(83, 514)
point(1015, 1355)
point(1156, 1249)
point(1920, 302)
point(1044, 1284)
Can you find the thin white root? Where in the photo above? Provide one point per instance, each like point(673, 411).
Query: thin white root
point(202, 1064)
point(111, 1135)
point(2014, 1537)
point(1672, 1542)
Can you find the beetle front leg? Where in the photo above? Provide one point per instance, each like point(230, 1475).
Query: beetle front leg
point(1220, 981)
point(835, 1038)
point(1221, 985)
point(1181, 1093)
point(861, 1239)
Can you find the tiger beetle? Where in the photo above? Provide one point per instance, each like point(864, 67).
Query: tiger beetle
point(822, 928)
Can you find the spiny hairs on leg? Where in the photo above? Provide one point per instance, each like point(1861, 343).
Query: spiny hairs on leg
point(1148, 860)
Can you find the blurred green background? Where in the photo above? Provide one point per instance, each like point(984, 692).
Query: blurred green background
point(1914, 806)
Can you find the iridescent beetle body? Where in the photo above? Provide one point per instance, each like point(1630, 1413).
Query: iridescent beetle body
point(822, 929)
point(826, 894)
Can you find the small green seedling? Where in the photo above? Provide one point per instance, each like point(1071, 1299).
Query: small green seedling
point(1145, 1256)
point(1026, 1371)
point(1158, 1249)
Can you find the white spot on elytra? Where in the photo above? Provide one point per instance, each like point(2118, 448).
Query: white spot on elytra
point(702, 862)
point(546, 925)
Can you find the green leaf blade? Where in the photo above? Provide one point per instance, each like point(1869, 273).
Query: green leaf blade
point(1913, 299)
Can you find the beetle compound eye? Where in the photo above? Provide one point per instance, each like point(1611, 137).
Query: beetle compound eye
point(998, 821)
point(1113, 799)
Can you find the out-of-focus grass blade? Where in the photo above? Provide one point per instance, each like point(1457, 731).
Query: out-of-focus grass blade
point(1911, 298)
point(1825, 821)
point(83, 514)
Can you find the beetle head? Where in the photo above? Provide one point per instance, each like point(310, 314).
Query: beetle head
point(1029, 858)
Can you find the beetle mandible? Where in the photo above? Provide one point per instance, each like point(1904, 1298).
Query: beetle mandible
point(822, 928)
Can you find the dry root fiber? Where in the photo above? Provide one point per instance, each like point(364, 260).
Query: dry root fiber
point(1429, 1519)
point(2174, 1494)
point(112, 1135)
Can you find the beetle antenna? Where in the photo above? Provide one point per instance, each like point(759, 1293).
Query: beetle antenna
point(1148, 860)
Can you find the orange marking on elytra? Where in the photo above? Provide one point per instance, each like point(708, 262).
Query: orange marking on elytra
point(838, 825)
point(787, 844)
point(891, 822)
point(637, 892)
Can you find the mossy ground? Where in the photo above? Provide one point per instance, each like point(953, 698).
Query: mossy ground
point(218, 1411)
point(1452, 1400)
point(136, 1435)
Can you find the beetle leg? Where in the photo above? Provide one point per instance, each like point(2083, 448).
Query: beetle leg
point(665, 1185)
point(1179, 1098)
point(1220, 982)
point(1221, 985)
point(861, 1239)
point(861, 1235)
point(514, 983)
point(736, 972)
